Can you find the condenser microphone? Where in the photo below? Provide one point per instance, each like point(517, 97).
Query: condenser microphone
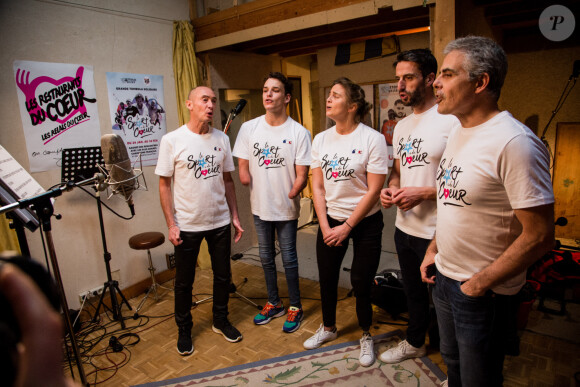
point(239, 107)
point(121, 177)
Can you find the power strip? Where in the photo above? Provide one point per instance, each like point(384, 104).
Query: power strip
point(170, 258)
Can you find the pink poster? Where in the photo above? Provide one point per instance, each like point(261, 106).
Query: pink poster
point(58, 107)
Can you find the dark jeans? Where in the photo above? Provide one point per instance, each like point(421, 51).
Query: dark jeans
point(218, 241)
point(366, 237)
point(411, 251)
point(475, 333)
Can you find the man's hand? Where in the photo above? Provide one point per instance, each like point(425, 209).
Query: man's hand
point(470, 289)
point(408, 197)
point(428, 266)
point(174, 235)
point(238, 230)
point(387, 197)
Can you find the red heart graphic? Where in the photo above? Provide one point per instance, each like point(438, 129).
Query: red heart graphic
point(204, 172)
point(335, 174)
point(267, 162)
point(409, 159)
point(29, 88)
point(446, 193)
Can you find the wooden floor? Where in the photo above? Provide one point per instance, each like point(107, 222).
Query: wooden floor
point(544, 361)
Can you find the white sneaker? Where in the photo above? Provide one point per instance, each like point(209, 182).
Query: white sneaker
point(320, 337)
point(367, 351)
point(402, 352)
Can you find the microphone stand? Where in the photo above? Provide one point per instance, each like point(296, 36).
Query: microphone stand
point(44, 209)
point(560, 102)
point(231, 117)
point(111, 285)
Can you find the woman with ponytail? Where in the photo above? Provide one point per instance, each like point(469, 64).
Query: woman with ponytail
point(349, 167)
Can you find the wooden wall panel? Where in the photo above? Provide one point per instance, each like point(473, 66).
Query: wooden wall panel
point(566, 179)
point(261, 12)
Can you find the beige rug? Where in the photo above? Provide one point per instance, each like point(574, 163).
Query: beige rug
point(331, 365)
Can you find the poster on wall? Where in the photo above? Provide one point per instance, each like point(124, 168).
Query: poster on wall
point(138, 113)
point(391, 111)
point(58, 107)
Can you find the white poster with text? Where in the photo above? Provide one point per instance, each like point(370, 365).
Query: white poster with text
point(58, 107)
point(138, 113)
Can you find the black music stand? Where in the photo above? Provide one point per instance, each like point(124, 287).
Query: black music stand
point(76, 165)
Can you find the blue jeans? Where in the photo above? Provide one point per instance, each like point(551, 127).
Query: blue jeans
point(218, 242)
point(475, 333)
point(286, 231)
point(366, 242)
point(411, 251)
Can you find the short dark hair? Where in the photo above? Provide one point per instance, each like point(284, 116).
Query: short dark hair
point(288, 87)
point(355, 94)
point(482, 55)
point(422, 57)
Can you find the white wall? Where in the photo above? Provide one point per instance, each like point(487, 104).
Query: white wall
point(111, 38)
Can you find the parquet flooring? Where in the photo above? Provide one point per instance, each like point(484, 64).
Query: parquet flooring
point(543, 362)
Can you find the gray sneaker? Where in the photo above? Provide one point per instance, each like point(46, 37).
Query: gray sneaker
point(320, 337)
point(367, 351)
point(401, 352)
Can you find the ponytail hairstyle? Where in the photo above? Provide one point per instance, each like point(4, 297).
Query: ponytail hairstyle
point(355, 94)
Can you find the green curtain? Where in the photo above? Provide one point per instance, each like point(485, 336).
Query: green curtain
point(8, 238)
point(184, 65)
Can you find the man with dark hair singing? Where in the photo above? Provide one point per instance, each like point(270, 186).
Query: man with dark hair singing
point(419, 140)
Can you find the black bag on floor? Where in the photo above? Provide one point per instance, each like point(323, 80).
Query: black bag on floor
point(387, 292)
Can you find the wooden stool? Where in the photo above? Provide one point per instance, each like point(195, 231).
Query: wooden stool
point(147, 241)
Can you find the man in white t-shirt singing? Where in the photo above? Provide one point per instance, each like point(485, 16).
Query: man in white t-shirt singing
point(198, 159)
point(495, 215)
point(273, 154)
point(418, 141)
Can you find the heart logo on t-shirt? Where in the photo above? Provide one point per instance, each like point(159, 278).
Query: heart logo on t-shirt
point(409, 159)
point(204, 172)
point(335, 174)
point(267, 162)
point(446, 193)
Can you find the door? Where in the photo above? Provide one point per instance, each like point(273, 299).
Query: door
point(566, 179)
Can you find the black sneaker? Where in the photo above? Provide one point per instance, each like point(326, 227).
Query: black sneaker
point(229, 332)
point(184, 342)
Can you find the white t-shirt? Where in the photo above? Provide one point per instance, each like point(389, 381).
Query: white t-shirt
point(418, 142)
point(345, 161)
point(197, 163)
point(272, 152)
point(485, 173)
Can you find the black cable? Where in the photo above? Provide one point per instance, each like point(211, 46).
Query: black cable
point(106, 206)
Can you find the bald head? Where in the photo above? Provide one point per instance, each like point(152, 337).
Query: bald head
point(204, 90)
point(200, 103)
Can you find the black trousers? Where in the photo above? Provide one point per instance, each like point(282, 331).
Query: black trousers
point(366, 237)
point(411, 251)
point(218, 241)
